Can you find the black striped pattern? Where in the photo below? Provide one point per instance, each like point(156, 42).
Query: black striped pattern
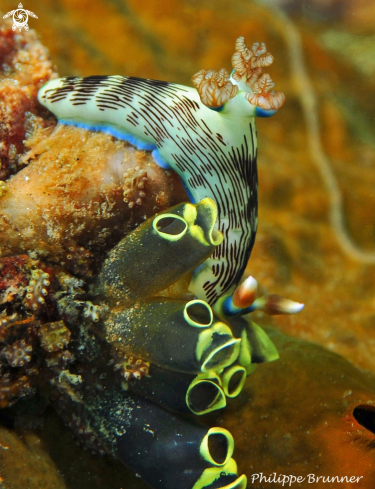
point(215, 157)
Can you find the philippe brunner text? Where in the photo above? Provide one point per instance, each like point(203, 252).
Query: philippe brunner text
point(288, 480)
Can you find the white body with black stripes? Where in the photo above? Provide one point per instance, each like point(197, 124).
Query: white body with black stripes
point(213, 151)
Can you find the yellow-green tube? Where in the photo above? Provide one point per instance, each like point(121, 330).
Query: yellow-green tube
point(205, 394)
point(159, 252)
point(227, 476)
point(256, 345)
point(157, 330)
point(180, 392)
point(233, 379)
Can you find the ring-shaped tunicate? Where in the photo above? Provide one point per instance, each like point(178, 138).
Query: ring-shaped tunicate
point(170, 226)
point(198, 314)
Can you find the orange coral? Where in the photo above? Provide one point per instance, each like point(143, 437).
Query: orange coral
point(37, 289)
point(18, 353)
point(129, 366)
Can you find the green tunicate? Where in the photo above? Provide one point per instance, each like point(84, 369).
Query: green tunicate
point(157, 331)
point(159, 252)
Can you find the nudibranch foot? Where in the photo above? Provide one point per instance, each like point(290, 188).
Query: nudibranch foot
point(110, 129)
point(160, 161)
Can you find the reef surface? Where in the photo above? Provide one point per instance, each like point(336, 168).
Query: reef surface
point(296, 252)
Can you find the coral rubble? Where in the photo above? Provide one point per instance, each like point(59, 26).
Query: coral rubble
point(25, 66)
point(69, 202)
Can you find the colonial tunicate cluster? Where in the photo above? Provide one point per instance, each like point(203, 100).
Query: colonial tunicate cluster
point(154, 358)
point(91, 311)
point(130, 367)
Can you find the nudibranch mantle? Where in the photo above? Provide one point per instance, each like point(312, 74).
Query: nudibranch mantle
point(213, 149)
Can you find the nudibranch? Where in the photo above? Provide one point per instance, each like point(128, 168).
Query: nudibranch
point(206, 134)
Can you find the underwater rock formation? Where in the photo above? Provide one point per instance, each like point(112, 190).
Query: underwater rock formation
point(69, 200)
